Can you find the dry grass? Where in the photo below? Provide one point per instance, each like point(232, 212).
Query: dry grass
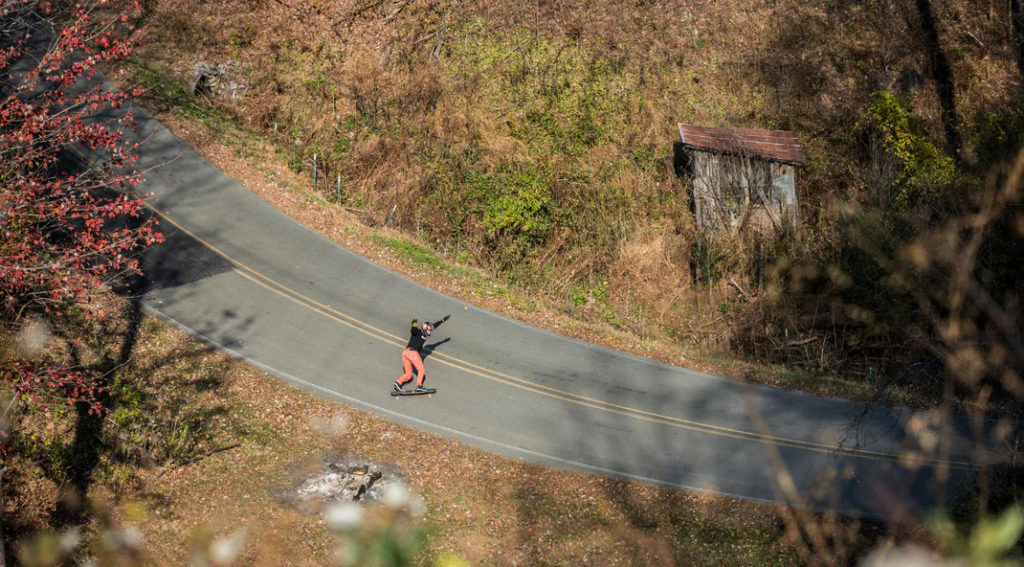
point(408, 114)
point(413, 88)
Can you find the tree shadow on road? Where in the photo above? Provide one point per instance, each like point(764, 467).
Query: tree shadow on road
point(161, 404)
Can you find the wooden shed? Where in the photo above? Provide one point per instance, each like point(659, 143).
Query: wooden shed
point(741, 177)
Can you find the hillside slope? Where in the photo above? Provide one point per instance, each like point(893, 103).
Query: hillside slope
point(535, 142)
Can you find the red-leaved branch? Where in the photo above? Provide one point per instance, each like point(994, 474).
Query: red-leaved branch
point(68, 217)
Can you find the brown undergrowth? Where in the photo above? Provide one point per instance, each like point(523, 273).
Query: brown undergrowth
point(534, 142)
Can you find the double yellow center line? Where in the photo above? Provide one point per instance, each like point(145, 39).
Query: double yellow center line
point(292, 295)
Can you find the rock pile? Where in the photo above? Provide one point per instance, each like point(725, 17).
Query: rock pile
point(342, 479)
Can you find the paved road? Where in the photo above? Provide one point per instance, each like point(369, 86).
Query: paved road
point(248, 279)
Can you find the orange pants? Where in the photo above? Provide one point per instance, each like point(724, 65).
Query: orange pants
point(411, 359)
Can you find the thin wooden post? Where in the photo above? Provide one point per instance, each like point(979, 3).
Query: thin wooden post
point(314, 173)
point(337, 190)
point(3, 551)
point(786, 334)
point(760, 266)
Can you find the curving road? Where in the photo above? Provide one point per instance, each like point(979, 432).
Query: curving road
point(248, 279)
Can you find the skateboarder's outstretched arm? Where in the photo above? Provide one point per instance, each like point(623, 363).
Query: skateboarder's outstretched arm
point(437, 324)
point(416, 324)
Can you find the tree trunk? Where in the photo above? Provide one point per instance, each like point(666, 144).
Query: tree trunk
point(3, 553)
point(942, 74)
point(1017, 35)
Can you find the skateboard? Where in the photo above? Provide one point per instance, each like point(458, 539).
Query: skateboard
point(413, 392)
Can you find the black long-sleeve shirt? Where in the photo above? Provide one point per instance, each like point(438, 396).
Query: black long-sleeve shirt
point(417, 337)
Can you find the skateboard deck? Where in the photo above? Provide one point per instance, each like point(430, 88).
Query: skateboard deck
point(414, 392)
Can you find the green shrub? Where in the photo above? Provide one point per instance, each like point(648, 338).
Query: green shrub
point(924, 168)
point(708, 259)
point(560, 96)
point(520, 207)
point(583, 294)
point(997, 136)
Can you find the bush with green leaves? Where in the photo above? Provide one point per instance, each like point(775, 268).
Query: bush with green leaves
point(924, 169)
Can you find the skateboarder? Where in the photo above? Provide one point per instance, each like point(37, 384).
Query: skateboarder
point(411, 355)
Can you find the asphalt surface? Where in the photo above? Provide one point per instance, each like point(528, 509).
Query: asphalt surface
point(245, 278)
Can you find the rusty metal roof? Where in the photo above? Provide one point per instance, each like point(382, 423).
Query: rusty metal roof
point(778, 145)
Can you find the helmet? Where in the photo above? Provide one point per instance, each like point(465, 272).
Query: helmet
point(428, 328)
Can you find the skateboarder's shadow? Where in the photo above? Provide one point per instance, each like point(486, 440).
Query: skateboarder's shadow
point(427, 350)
